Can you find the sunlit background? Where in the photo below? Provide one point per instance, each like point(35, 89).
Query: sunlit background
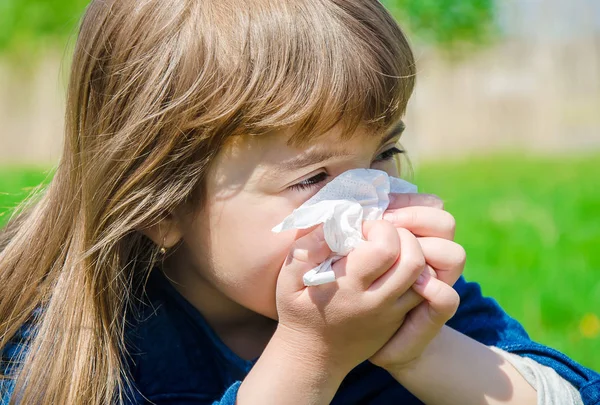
point(504, 126)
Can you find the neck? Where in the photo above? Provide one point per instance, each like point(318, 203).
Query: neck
point(244, 331)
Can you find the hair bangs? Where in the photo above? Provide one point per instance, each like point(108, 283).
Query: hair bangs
point(311, 65)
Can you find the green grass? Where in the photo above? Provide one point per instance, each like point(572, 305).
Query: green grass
point(16, 183)
point(531, 228)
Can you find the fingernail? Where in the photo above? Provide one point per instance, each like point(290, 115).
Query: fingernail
point(421, 279)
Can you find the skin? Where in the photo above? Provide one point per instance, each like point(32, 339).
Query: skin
point(246, 200)
point(379, 308)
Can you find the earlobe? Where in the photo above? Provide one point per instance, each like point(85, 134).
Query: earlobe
point(165, 233)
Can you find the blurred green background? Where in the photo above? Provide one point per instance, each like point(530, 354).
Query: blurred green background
point(510, 143)
point(27, 23)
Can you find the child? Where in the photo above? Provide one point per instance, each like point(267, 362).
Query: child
point(148, 273)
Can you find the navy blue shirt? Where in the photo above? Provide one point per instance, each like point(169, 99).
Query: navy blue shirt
point(176, 358)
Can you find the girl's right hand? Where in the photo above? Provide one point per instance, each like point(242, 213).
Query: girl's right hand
point(345, 322)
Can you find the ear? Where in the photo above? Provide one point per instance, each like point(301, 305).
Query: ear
point(165, 233)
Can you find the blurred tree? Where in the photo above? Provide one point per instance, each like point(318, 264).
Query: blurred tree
point(447, 24)
point(30, 23)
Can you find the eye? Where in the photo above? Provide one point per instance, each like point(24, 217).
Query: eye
point(310, 183)
point(314, 181)
point(389, 154)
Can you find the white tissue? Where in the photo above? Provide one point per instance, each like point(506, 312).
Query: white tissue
point(341, 206)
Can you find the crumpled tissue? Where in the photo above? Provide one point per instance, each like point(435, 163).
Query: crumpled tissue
point(341, 206)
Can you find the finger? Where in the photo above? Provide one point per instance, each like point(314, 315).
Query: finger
point(423, 221)
point(422, 324)
point(447, 257)
point(305, 254)
point(370, 259)
point(411, 339)
point(312, 247)
point(411, 299)
point(401, 200)
point(398, 279)
point(442, 301)
point(407, 302)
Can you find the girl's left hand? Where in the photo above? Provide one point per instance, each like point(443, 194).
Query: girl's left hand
point(424, 216)
point(435, 299)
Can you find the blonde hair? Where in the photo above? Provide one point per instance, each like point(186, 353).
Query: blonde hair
point(157, 87)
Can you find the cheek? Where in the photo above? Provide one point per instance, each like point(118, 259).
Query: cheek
point(252, 251)
point(246, 255)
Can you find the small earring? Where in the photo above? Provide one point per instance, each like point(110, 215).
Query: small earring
point(163, 249)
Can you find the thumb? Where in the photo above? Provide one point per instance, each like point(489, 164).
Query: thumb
point(305, 254)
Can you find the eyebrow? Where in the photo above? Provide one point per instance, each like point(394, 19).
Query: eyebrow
point(318, 156)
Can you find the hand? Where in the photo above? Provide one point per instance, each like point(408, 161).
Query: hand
point(343, 323)
point(423, 215)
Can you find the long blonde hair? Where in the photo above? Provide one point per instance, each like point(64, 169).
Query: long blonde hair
point(157, 87)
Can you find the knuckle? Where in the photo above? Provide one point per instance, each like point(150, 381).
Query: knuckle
point(386, 252)
point(374, 229)
point(461, 254)
point(415, 261)
point(450, 223)
point(453, 303)
point(448, 305)
point(386, 246)
point(411, 258)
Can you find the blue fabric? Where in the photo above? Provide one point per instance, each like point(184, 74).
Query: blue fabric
point(176, 358)
point(11, 357)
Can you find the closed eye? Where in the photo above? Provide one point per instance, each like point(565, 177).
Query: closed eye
point(322, 176)
point(389, 154)
point(312, 182)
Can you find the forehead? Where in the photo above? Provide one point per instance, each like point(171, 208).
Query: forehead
point(334, 144)
point(274, 154)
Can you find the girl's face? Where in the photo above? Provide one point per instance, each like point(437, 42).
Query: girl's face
point(254, 184)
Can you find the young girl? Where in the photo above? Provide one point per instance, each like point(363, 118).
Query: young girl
point(147, 271)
